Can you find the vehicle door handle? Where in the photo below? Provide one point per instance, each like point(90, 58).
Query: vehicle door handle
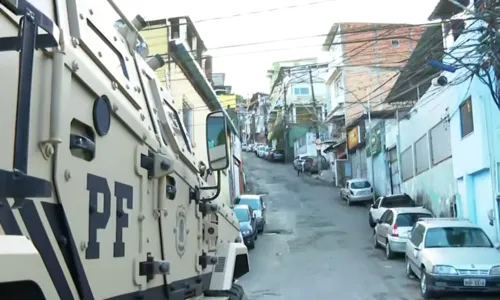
point(81, 142)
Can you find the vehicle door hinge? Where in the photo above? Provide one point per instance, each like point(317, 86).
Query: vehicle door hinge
point(151, 267)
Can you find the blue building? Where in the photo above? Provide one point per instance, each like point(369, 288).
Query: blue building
point(447, 145)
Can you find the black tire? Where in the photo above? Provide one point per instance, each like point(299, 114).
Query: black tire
point(371, 221)
point(424, 288)
point(251, 245)
point(376, 245)
point(235, 293)
point(409, 272)
point(389, 254)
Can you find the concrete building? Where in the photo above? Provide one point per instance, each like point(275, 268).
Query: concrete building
point(292, 113)
point(365, 62)
point(256, 117)
point(364, 65)
point(187, 75)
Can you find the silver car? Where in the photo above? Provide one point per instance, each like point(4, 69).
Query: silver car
point(357, 190)
point(391, 230)
point(452, 255)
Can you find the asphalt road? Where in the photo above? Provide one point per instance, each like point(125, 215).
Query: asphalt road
point(316, 247)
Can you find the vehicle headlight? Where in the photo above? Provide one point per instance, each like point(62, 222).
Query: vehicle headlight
point(495, 271)
point(247, 232)
point(440, 269)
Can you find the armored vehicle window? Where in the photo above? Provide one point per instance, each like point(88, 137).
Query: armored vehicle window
point(177, 125)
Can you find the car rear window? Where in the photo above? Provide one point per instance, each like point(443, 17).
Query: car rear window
point(402, 201)
point(409, 219)
point(360, 185)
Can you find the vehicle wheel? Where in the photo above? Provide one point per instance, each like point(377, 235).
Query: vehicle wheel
point(424, 288)
point(370, 221)
point(409, 271)
point(376, 245)
point(235, 293)
point(251, 245)
point(388, 251)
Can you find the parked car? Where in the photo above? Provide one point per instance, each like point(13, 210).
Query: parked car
point(452, 255)
point(311, 164)
point(298, 162)
point(277, 156)
point(383, 203)
point(250, 147)
point(256, 202)
point(391, 230)
point(247, 219)
point(357, 190)
point(260, 150)
point(266, 151)
point(244, 147)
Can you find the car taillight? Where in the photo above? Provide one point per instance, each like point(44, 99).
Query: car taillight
point(395, 230)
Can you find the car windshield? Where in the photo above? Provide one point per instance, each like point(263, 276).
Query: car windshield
point(242, 214)
point(409, 219)
point(254, 203)
point(400, 201)
point(267, 149)
point(360, 185)
point(456, 237)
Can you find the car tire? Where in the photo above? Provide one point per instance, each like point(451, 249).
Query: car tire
point(235, 293)
point(376, 245)
point(389, 254)
point(424, 288)
point(371, 221)
point(409, 272)
point(251, 245)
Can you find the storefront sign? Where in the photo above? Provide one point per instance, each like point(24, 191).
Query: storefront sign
point(353, 138)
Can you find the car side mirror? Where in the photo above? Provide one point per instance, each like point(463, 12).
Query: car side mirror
point(409, 234)
point(254, 215)
point(216, 136)
point(373, 206)
point(378, 221)
point(497, 246)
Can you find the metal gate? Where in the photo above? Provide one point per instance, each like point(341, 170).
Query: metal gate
point(394, 171)
point(342, 171)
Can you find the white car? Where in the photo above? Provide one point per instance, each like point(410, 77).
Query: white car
point(357, 190)
point(260, 150)
point(452, 255)
point(383, 203)
point(298, 162)
point(391, 231)
point(244, 147)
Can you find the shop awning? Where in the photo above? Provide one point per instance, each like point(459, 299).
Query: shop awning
point(334, 146)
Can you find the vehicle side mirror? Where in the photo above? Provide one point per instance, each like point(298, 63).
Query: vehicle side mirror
point(377, 221)
point(254, 215)
point(497, 246)
point(216, 136)
point(374, 205)
point(409, 234)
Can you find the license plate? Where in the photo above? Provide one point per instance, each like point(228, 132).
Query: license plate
point(474, 282)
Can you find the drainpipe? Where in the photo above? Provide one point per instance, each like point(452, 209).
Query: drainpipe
point(398, 153)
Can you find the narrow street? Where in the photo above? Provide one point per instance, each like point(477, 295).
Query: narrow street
point(316, 247)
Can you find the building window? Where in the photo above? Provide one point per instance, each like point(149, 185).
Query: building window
point(407, 164)
point(421, 155)
point(395, 43)
point(187, 118)
point(302, 91)
point(440, 142)
point(466, 119)
point(338, 86)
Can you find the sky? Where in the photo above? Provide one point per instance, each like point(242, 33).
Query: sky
point(271, 20)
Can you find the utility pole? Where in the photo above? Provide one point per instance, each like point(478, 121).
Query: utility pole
point(265, 121)
point(285, 120)
point(316, 121)
point(370, 143)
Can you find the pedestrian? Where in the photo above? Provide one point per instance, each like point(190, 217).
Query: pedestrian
point(300, 170)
